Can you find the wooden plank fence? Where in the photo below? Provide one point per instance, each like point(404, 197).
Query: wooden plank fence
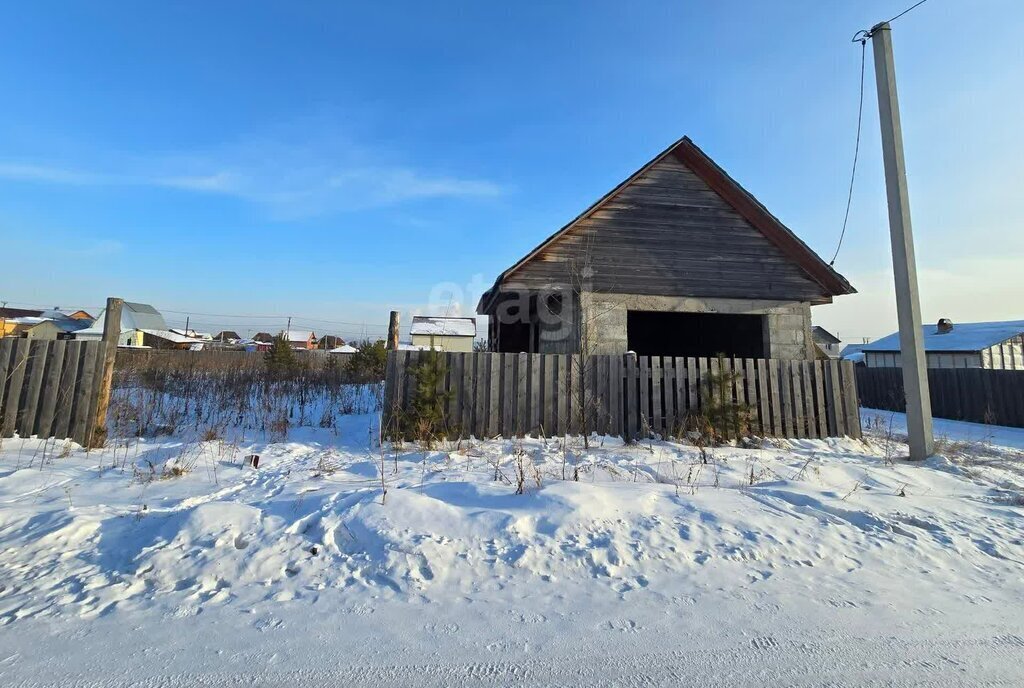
point(977, 395)
point(510, 395)
point(49, 388)
point(59, 388)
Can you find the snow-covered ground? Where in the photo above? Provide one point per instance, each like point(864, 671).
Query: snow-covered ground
point(166, 562)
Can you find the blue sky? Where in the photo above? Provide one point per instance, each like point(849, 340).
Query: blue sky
point(331, 161)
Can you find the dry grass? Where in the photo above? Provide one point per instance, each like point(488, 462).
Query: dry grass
point(206, 393)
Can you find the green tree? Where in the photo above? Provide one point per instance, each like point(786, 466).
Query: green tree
point(280, 359)
point(429, 401)
point(725, 415)
point(369, 362)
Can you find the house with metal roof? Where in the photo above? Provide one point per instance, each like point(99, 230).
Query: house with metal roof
point(992, 345)
point(442, 333)
point(36, 328)
point(142, 325)
point(300, 339)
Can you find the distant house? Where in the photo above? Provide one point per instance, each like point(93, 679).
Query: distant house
point(446, 334)
point(36, 328)
point(64, 322)
point(854, 353)
point(826, 342)
point(9, 318)
point(254, 345)
point(343, 349)
point(78, 315)
point(993, 345)
point(226, 337)
point(60, 324)
point(169, 339)
point(193, 334)
point(141, 326)
point(263, 338)
point(300, 339)
point(330, 341)
point(677, 260)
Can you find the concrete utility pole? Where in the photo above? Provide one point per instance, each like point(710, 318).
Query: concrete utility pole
point(908, 305)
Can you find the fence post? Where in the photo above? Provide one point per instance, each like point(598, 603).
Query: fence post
point(105, 370)
point(393, 331)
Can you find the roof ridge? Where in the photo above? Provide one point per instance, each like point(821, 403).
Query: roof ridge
point(755, 213)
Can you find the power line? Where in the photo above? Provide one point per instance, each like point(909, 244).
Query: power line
point(861, 37)
point(912, 7)
point(856, 149)
point(268, 317)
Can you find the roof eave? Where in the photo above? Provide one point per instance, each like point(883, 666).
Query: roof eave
point(752, 210)
point(687, 152)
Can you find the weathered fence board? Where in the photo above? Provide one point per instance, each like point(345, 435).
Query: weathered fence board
point(977, 395)
point(15, 380)
point(511, 395)
point(66, 391)
point(38, 352)
point(47, 388)
point(51, 387)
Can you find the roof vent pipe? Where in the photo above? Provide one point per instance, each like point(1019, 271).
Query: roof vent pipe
point(945, 325)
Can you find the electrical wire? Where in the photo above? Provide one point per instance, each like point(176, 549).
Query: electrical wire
point(912, 7)
point(270, 317)
point(862, 38)
point(856, 149)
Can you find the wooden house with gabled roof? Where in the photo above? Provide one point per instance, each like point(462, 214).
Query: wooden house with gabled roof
point(678, 260)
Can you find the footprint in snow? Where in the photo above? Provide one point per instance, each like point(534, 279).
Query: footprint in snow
point(268, 623)
point(765, 644)
point(621, 625)
point(443, 629)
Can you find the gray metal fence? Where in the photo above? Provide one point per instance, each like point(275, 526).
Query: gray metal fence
point(972, 394)
point(509, 395)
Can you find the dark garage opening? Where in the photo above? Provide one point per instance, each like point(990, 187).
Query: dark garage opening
point(654, 333)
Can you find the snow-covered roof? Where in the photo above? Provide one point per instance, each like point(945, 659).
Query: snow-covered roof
point(134, 316)
point(343, 349)
point(406, 346)
point(140, 316)
point(851, 349)
point(64, 322)
point(298, 335)
point(170, 336)
point(443, 326)
point(60, 321)
point(963, 337)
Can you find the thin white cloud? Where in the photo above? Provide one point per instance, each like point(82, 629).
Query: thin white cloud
point(95, 249)
point(290, 181)
point(28, 172)
point(218, 182)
